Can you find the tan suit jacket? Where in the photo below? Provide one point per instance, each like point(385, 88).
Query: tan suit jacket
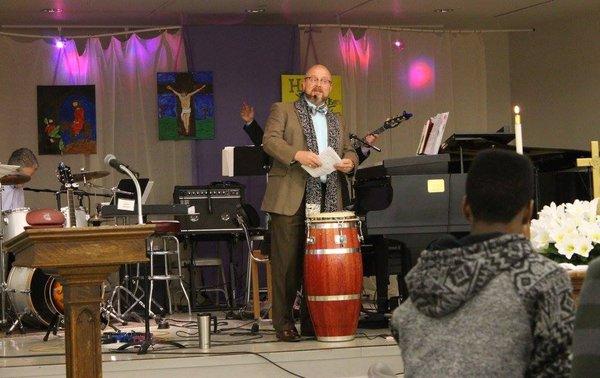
point(287, 180)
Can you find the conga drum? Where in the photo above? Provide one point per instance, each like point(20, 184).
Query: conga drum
point(333, 274)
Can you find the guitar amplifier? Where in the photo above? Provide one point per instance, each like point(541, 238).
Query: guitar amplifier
point(215, 206)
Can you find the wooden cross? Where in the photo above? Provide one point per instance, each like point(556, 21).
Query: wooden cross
point(594, 163)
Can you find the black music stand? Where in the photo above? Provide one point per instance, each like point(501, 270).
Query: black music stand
point(245, 161)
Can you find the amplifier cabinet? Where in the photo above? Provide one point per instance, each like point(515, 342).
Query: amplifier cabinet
point(214, 207)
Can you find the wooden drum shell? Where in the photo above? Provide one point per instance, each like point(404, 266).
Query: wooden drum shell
point(333, 278)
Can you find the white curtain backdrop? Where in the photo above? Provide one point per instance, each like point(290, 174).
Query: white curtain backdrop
point(428, 74)
point(126, 112)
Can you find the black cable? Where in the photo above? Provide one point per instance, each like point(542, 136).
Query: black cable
point(381, 335)
point(279, 366)
point(224, 354)
point(232, 328)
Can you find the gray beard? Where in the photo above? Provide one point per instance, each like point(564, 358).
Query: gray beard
point(313, 99)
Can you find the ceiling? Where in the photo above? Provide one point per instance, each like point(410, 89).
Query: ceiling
point(466, 14)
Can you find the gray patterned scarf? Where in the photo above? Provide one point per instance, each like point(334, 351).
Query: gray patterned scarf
point(313, 184)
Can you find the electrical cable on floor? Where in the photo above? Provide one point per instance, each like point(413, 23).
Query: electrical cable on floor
point(381, 335)
point(166, 351)
point(232, 328)
point(175, 351)
point(236, 353)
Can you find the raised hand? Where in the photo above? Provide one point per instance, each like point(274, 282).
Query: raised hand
point(247, 113)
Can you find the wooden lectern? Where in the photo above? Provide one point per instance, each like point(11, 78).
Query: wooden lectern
point(81, 259)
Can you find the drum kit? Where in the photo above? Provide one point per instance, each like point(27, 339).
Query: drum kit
point(36, 298)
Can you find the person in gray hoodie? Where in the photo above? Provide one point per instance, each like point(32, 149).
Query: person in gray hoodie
point(487, 304)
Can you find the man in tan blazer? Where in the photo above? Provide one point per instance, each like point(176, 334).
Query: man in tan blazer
point(294, 135)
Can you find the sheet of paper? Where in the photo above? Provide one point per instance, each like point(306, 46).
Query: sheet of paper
point(147, 191)
point(227, 162)
point(437, 132)
point(125, 204)
point(328, 158)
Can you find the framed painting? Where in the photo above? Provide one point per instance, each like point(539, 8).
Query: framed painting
point(185, 105)
point(66, 119)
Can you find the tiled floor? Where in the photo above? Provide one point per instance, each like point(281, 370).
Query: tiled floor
point(232, 353)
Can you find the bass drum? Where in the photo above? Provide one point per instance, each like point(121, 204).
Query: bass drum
point(14, 222)
point(35, 294)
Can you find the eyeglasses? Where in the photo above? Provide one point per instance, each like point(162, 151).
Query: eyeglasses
point(315, 80)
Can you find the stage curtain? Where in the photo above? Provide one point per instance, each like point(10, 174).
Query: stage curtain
point(126, 107)
point(428, 73)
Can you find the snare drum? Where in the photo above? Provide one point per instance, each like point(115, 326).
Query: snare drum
point(81, 216)
point(14, 222)
point(333, 274)
point(35, 294)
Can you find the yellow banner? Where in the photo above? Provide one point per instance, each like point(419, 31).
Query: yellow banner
point(291, 88)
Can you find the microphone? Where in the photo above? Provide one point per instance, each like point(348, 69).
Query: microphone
point(111, 160)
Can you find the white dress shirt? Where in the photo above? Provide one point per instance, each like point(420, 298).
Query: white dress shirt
point(319, 121)
point(13, 197)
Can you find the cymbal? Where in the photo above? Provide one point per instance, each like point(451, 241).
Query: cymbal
point(14, 179)
point(89, 175)
point(6, 169)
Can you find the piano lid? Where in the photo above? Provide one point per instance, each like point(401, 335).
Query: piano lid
point(464, 147)
point(475, 141)
point(544, 159)
point(410, 165)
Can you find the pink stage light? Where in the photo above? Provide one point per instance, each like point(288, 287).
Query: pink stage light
point(421, 74)
point(59, 43)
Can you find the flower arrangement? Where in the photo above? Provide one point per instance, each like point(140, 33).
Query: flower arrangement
point(568, 232)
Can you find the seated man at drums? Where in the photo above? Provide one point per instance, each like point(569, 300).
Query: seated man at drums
point(13, 196)
point(487, 304)
point(294, 135)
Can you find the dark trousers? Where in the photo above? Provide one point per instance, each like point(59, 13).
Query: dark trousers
point(287, 255)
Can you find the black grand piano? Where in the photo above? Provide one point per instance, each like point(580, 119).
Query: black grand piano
point(409, 202)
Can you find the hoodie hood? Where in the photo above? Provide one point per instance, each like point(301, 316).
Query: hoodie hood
point(450, 272)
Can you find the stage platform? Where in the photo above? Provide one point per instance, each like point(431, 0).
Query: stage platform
point(233, 353)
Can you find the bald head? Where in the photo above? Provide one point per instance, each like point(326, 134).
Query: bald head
point(318, 69)
point(317, 84)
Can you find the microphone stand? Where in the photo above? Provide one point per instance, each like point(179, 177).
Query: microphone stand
point(148, 340)
point(354, 137)
point(138, 192)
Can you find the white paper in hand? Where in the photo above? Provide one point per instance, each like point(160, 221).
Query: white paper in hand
point(328, 159)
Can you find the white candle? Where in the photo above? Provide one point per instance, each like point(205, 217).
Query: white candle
point(518, 131)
